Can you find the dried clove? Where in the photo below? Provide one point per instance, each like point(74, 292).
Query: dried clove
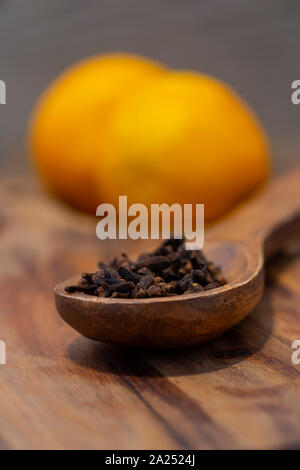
point(170, 270)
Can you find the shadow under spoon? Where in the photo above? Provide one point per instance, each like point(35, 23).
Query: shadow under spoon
point(239, 244)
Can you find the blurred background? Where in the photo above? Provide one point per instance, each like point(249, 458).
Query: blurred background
point(252, 45)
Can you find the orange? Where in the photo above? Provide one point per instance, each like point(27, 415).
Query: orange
point(66, 130)
point(183, 137)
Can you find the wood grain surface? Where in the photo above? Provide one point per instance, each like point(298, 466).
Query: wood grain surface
point(61, 391)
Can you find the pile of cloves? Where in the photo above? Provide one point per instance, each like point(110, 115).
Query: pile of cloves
point(170, 270)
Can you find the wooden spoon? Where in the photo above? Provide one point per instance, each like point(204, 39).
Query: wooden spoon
point(239, 244)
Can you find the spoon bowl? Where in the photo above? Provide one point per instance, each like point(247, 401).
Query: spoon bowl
point(170, 322)
point(239, 244)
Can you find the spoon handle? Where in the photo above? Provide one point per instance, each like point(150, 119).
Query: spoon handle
point(270, 218)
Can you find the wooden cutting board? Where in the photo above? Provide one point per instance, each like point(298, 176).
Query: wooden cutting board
point(62, 391)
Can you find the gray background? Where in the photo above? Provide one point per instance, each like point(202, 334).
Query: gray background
point(251, 44)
